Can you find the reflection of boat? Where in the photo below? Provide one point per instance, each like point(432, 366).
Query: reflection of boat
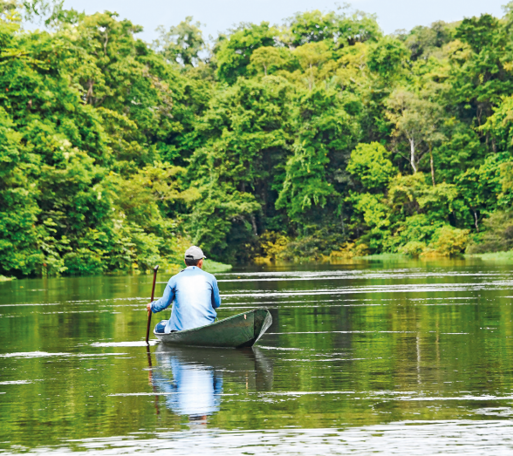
point(239, 331)
point(192, 378)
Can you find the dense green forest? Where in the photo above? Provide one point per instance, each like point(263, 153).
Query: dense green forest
point(317, 138)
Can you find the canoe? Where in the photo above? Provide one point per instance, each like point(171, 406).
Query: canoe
point(239, 331)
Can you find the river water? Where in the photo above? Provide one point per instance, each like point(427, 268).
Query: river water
point(402, 358)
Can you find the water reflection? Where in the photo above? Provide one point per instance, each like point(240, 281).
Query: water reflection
point(191, 379)
point(402, 359)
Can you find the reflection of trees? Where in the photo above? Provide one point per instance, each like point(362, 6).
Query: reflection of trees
point(390, 342)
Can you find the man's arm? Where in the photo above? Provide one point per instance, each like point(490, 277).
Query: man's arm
point(216, 299)
point(165, 301)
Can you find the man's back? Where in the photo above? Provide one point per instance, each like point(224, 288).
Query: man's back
point(196, 296)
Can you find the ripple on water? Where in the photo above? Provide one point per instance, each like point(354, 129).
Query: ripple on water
point(38, 354)
point(471, 438)
point(348, 349)
point(141, 343)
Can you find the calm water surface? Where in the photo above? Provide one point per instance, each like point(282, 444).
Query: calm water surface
point(394, 358)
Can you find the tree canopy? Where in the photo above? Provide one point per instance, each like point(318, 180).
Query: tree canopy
point(272, 141)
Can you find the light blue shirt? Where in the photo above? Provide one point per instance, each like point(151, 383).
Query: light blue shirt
point(195, 295)
point(195, 390)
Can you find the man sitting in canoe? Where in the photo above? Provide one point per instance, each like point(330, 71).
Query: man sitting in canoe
point(195, 295)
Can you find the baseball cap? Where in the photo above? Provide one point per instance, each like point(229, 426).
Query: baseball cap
point(194, 253)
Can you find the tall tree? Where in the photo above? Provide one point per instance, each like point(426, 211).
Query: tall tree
point(233, 54)
point(182, 43)
point(416, 119)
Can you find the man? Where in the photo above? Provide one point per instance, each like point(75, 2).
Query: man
point(195, 294)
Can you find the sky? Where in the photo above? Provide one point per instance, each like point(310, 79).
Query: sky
point(220, 15)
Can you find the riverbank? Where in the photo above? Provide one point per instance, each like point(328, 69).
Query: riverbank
point(6, 279)
point(216, 267)
point(173, 268)
point(208, 265)
point(495, 257)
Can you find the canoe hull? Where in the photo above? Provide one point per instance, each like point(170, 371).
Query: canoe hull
point(242, 330)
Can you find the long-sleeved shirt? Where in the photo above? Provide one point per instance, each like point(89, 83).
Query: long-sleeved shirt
point(196, 296)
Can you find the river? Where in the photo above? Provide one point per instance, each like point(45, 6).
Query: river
point(403, 358)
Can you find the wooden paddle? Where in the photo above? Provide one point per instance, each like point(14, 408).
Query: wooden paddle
point(155, 269)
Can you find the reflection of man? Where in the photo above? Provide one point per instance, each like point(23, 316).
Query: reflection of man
point(195, 294)
point(195, 389)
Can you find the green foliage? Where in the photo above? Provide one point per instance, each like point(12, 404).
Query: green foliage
point(498, 236)
point(233, 55)
point(413, 248)
point(369, 164)
point(272, 247)
point(215, 267)
point(449, 241)
point(412, 232)
point(182, 43)
point(324, 129)
point(387, 58)
point(426, 41)
point(287, 142)
point(247, 128)
point(313, 245)
point(267, 60)
point(340, 29)
point(480, 71)
point(6, 279)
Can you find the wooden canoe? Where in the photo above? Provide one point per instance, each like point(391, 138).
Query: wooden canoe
point(242, 330)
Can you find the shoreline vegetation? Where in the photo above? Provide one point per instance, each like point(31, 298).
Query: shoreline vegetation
point(495, 257)
point(215, 267)
point(6, 279)
point(317, 139)
point(173, 268)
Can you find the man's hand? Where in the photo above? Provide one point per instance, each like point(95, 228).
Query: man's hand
point(148, 307)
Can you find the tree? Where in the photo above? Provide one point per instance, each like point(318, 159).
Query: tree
point(481, 186)
point(266, 58)
point(323, 132)
point(233, 54)
point(338, 29)
point(387, 58)
point(247, 129)
point(182, 43)
point(312, 27)
point(311, 56)
point(479, 73)
point(370, 165)
point(417, 120)
point(18, 208)
point(425, 41)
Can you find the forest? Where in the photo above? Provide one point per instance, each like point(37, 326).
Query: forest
point(314, 139)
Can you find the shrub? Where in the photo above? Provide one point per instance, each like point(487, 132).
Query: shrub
point(413, 248)
point(272, 245)
point(449, 241)
point(84, 262)
point(417, 228)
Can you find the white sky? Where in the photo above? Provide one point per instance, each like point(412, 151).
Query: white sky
point(220, 15)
